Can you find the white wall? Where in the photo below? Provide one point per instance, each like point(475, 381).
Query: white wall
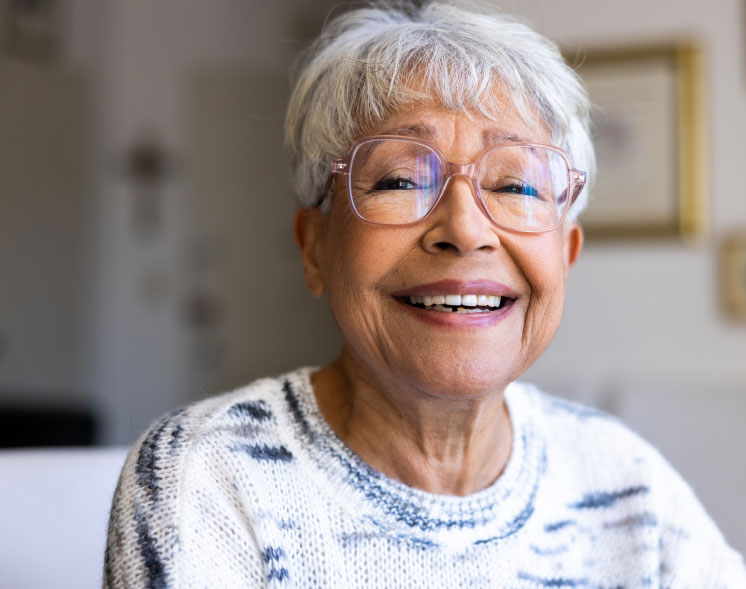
point(47, 146)
point(637, 311)
point(639, 314)
point(642, 331)
point(144, 358)
point(649, 309)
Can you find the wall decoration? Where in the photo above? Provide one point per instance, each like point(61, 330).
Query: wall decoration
point(30, 29)
point(650, 142)
point(147, 166)
point(733, 275)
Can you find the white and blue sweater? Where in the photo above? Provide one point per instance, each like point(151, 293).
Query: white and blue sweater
point(254, 489)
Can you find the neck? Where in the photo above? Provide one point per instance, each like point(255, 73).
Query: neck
point(445, 446)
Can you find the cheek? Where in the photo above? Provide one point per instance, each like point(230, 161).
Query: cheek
point(544, 270)
point(547, 279)
point(541, 260)
point(358, 256)
point(357, 263)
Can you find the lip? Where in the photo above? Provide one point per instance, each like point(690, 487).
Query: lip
point(462, 287)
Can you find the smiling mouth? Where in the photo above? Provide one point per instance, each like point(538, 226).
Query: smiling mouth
point(462, 304)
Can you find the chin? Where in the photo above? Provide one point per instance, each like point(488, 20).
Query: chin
point(459, 379)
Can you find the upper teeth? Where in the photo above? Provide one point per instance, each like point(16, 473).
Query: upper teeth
point(467, 300)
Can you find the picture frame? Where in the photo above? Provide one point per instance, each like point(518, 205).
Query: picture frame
point(733, 275)
point(30, 31)
point(649, 134)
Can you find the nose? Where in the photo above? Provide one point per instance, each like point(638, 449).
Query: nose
point(458, 223)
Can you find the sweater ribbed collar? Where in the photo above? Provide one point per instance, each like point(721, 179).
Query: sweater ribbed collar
point(392, 508)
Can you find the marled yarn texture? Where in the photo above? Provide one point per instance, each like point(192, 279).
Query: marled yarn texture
point(253, 489)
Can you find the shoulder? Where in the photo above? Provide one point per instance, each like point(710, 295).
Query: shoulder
point(585, 430)
point(189, 480)
point(594, 441)
point(206, 443)
point(607, 467)
point(250, 413)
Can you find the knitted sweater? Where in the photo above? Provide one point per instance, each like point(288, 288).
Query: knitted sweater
point(253, 489)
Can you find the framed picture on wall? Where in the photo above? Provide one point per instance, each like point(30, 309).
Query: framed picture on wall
point(733, 275)
point(30, 29)
point(650, 142)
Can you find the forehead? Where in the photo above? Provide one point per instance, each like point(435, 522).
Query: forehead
point(434, 122)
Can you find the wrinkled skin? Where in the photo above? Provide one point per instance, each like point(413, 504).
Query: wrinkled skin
point(434, 391)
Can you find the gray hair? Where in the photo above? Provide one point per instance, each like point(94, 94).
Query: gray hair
point(370, 62)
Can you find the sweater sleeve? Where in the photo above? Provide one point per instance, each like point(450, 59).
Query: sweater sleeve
point(178, 519)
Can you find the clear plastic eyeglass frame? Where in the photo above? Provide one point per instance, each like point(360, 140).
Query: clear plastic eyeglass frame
point(575, 181)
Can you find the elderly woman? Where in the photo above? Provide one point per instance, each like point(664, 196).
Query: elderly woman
point(440, 155)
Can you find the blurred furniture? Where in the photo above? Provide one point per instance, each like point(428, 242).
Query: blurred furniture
point(54, 506)
point(26, 427)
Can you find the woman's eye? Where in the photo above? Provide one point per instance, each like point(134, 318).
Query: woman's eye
point(395, 184)
point(518, 188)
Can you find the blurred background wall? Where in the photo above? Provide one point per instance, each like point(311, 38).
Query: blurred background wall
point(146, 255)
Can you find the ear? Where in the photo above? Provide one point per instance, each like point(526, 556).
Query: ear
point(309, 229)
point(573, 243)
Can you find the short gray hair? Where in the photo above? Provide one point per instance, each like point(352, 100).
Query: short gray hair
point(372, 61)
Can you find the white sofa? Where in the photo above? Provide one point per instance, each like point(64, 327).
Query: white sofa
point(54, 506)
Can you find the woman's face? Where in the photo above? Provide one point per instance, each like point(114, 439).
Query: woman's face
point(369, 272)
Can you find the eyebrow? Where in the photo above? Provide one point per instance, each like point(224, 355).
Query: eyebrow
point(420, 130)
point(428, 132)
point(497, 136)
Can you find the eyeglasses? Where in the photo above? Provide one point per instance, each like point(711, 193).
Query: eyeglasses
point(522, 187)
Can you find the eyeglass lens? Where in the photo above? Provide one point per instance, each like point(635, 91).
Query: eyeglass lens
point(394, 182)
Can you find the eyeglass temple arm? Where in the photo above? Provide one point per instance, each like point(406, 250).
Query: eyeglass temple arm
point(577, 180)
point(339, 166)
